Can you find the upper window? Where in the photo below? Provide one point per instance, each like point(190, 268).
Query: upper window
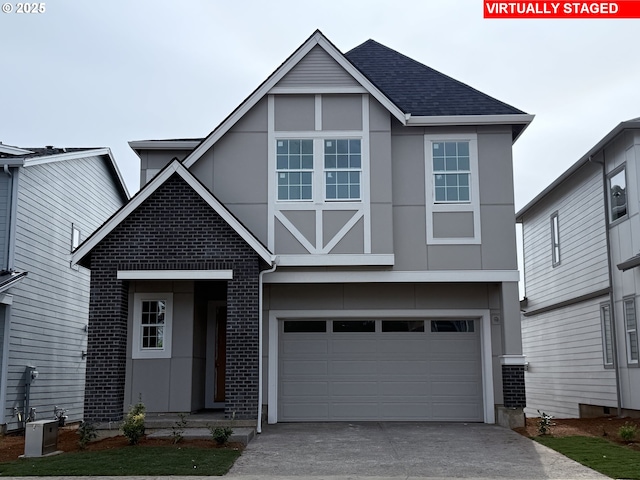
point(294, 164)
point(607, 335)
point(617, 195)
point(152, 325)
point(451, 172)
point(632, 330)
point(342, 167)
point(75, 237)
point(555, 239)
point(297, 170)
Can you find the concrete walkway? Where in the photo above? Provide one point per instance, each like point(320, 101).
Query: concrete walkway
point(334, 451)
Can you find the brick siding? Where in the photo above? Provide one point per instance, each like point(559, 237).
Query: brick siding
point(173, 229)
point(513, 386)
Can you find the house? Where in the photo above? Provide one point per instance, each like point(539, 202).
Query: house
point(581, 240)
point(341, 247)
point(50, 200)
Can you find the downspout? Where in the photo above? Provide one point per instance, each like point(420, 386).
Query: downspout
point(274, 259)
point(612, 308)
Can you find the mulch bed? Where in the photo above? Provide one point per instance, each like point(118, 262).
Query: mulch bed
point(606, 427)
point(12, 445)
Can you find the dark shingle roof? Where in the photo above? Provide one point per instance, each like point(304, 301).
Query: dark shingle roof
point(421, 90)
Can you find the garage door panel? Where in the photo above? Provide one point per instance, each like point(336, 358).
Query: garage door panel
point(353, 344)
point(305, 388)
point(354, 367)
point(405, 389)
point(305, 347)
point(367, 376)
point(354, 388)
point(403, 367)
point(305, 367)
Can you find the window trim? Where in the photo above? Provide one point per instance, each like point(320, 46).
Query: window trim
point(607, 346)
point(472, 206)
point(555, 239)
point(300, 170)
point(75, 244)
point(628, 332)
point(137, 351)
point(336, 170)
point(622, 168)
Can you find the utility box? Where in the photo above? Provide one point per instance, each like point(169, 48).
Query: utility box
point(40, 438)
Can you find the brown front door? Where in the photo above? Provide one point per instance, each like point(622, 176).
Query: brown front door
point(221, 352)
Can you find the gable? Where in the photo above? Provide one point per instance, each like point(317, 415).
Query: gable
point(317, 69)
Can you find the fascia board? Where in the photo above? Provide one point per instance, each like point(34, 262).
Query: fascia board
point(427, 121)
point(8, 149)
point(576, 166)
point(61, 157)
point(267, 85)
point(164, 144)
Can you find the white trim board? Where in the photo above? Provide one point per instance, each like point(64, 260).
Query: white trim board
point(175, 275)
point(488, 397)
point(376, 276)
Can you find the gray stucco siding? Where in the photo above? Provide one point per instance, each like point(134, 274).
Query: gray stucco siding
point(495, 165)
point(453, 224)
point(382, 240)
point(409, 238)
point(454, 257)
point(294, 113)
point(341, 112)
point(408, 175)
point(498, 237)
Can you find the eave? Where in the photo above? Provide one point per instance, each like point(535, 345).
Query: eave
point(522, 120)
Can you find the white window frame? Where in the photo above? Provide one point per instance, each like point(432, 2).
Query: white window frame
point(473, 205)
point(607, 335)
point(318, 187)
point(138, 352)
point(75, 236)
point(300, 170)
point(622, 169)
point(631, 332)
point(337, 170)
point(555, 239)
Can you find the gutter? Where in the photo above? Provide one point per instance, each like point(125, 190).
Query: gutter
point(612, 304)
point(274, 260)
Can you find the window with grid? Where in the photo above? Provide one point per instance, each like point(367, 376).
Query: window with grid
point(342, 168)
point(152, 324)
point(617, 195)
point(294, 165)
point(451, 172)
point(607, 335)
point(632, 330)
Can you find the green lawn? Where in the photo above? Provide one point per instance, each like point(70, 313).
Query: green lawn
point(608, 458)
point(128, 461)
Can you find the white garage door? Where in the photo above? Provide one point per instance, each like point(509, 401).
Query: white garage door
point(350, 370)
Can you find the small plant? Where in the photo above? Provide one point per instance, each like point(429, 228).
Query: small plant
point(628, 431)
point(178, 428)
point(60, 414)
point(133, 426)
point(220, 434)
point(86, 432)
point(545, 423)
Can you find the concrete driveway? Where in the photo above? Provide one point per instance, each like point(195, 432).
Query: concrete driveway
point(400, 451)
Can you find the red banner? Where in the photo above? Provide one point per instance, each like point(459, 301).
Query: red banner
point(562, 9)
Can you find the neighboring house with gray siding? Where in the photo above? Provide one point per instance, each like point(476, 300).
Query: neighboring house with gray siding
point(340, 248)
point(50, 200)
point(581, 240)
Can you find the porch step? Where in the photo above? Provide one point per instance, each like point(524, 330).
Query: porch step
point(240, 434)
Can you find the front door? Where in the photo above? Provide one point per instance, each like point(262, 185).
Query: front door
point(216, 355)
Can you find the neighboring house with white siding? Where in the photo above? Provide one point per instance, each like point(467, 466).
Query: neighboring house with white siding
point(581, 239)
point(50, 200)
point(340, 248)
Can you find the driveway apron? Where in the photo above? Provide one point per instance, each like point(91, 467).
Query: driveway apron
point(401, 450)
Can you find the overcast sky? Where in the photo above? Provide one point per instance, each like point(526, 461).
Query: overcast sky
point(104, 72)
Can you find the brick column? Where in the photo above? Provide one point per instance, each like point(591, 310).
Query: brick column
point(513, 386)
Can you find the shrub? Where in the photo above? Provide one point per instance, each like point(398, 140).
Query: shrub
point(545, 423)
point(133, 426)
point(221, 434)
point(628, 431)
point(86, 432)
point(178, 428)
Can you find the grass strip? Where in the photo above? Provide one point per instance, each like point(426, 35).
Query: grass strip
point(608, 458)
point(132, 460)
